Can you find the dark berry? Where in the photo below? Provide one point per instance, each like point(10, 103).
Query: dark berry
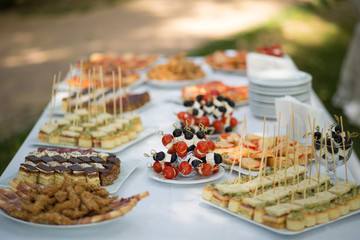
point(209, 103)
point(222, 109)
point(159, 156)
point(317, 135)
point(195, 112)
point(188, 103)
point(337, 138)
point(177, 132)
point(199, 98)
point(337, 128)
point(336, 150)
point(191, 148)
point(228, 129)
point(173, 158)
point(200, 134)
point(188, 135)
point(217, 158)
point(195, 163)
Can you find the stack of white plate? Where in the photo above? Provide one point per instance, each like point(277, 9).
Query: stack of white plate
point(268, 85)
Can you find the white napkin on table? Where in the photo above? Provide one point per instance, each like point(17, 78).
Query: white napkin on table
point(257, 63)
point(301, 113)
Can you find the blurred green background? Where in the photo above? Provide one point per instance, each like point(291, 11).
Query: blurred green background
point(315, 34)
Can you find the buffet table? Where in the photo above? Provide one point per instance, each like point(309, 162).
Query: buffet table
point(172, 211)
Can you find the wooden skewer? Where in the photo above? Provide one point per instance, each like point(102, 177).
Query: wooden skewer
point(68, 103)
point(275, 160)
point(306, 142)
point(95, 100)
point(51, 99)
point(103, 94)
point(326, 157)
point(333, 157)
point(114, 98)
point(287, 151)
point(297, 152)
point(312, 145)
point(263, 144)
point(241, 148)
point(247, 145)
point(120, 93)
point(265, 159)
point(89, 94)
point(343, 143)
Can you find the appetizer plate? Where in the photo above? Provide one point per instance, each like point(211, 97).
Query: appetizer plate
point(173, 83)
point(49, 226)
point(185, 180)
point(127, 166)
point(279, 231)
point(141, 136)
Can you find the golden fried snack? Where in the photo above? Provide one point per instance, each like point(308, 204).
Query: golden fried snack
point(178, 68)
point(63, 203)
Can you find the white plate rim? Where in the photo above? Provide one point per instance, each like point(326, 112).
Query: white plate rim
point(185, 180)
point(148, 131)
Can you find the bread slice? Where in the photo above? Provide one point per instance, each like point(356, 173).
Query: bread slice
point(343, 209)
point(207, 193)
point(333, 213)
point(322, 217)
point(234, 205)
point(295, 224)
point(310, 219)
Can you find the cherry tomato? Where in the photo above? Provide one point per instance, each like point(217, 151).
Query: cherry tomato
point(182, 155)
point(204, 120)
point(169, 172)
point(202, 147)
point(181, 147)
point(185, 168)
point(216, 168)
point(233, 122)
point(181, 115)
point(205, 169)
point(198, 154)
point(176, 171)
point(211, 145)
point(218, 125)
point(157, 167)
point(166, 139)
point(171, 150)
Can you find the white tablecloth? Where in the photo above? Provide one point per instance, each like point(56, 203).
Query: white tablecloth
point(171, 211)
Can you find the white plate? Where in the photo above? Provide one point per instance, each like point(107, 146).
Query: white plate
point(281, 78)
point(185, 180)
point(265, 99)
point(144, 134)
point(280, 231)
point(127, 166)
point(49, 226)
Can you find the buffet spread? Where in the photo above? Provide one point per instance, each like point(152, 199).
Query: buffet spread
point(184, 142)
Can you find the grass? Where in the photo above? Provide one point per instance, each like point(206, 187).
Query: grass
point(315, 34)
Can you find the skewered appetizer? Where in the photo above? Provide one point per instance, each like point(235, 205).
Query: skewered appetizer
point(177, 69)
point(48, 166)
point(130, 102)
point(82, 130)
point(253, 150)
point(65, 203)
point(212, 112)
point(299, 204)
point(188, 153)
point(215, 88)
point(333, 145)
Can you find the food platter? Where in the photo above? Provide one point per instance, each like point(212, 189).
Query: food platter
point(186, 180)
point(148, 131)
point(49, 226)
point(280, 231)
point(127, 166)
point(173, 83)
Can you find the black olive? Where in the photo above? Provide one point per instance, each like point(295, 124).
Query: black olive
point(173, 158)
point(222, 109)
point(209, 103)
point(188, 103)
point(195, 163)
point(228, 129)
point(159, 156)
point(200, 134)
point(217, 158)
point(188, 135)
point(317, 135)
point(199, 98)
point(177, 132)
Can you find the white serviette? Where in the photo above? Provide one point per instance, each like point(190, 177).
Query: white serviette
point(257, 63)
point(301, 113)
